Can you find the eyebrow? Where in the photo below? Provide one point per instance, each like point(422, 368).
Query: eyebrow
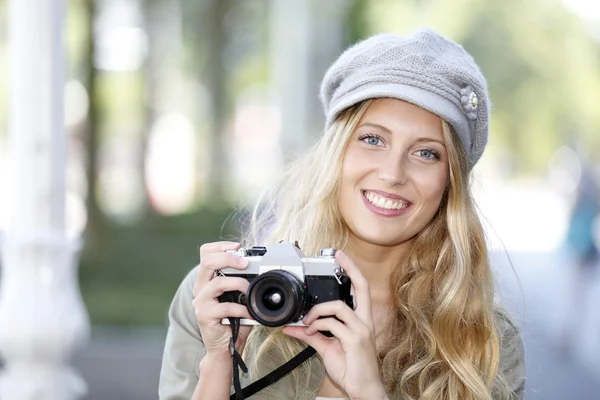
point(386, 130)
point(430, 139)
point(383, 128)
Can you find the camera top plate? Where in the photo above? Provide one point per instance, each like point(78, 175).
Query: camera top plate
point(286, 256)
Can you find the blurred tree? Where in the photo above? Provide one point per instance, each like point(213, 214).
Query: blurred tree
point(206, 40)
point(305, 38)
point(97, 224)
point(161, 44)
point(356, 26)
point(152, 23)
point(216, 79)
point(114, 100)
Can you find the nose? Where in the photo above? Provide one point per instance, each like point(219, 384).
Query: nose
point(393, 170)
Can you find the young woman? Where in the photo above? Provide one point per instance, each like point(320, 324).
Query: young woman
point(388, 185)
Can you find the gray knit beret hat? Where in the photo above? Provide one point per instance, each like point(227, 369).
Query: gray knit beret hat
point(425, 69)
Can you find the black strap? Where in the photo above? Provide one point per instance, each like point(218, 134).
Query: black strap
point(268, 379)
point(238, 362)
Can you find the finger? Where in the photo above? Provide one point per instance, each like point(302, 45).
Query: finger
point(217, 247)
point(336, 308)
point(318, 341)
point(362, 294)
point(214, 261)
point(222, 284)
point(210, 248)
point(338, 329)
point(216, 312)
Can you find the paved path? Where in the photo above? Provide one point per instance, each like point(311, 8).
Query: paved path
point(122, 365)
point(125, 365)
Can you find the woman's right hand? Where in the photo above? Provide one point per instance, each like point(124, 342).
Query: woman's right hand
point(207, 288)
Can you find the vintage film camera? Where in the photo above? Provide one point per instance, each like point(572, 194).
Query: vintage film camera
point(285, 285)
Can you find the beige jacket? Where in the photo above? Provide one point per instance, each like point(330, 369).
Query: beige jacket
point(184, 350)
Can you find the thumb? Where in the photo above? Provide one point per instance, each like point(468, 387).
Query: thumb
point(316, 340)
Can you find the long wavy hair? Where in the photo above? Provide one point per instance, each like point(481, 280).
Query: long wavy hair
point(443, 338)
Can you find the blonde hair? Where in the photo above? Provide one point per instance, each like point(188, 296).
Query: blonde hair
point(444, 341)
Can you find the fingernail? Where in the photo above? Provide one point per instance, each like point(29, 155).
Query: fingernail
point(243, 262)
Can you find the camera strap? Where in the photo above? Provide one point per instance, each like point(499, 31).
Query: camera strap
point(238, 361)
point(269, 379)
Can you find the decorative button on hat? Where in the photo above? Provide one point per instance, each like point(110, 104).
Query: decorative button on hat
point(469, 101)
point(426, 69)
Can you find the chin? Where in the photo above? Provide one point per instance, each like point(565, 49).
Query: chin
point(380, 238)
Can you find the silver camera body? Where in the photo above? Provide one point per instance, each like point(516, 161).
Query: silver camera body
point(284, 284)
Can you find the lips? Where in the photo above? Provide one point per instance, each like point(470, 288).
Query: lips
point(385, 201)
point(383, 206)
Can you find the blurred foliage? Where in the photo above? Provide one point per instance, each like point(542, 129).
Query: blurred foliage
point(131, 278)
point(120, 96)
point(357, 26)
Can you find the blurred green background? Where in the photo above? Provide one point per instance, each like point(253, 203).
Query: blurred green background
point(178, 111)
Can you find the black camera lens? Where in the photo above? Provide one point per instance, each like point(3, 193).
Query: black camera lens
point(276, 298)
point(273, 299)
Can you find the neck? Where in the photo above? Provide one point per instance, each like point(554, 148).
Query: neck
point(376, 263)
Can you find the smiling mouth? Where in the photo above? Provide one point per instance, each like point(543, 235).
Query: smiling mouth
point(383, 202)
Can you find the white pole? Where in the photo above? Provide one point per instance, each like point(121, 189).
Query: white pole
point(42, 317)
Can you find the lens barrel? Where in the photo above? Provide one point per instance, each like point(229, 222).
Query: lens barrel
point(276, 298)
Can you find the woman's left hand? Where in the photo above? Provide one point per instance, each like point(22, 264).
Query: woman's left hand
point(350, 357)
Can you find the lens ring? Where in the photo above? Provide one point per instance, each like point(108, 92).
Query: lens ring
point(284, 284)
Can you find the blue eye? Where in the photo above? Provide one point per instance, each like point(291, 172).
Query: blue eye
point(429, 154)
point(370, 139)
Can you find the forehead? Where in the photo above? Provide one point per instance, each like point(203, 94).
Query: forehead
point(403, 117)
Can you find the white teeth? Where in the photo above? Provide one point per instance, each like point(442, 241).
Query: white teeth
point(383, 202)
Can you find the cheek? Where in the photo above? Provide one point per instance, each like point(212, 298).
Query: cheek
point(433, 187)
point(353, 167)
